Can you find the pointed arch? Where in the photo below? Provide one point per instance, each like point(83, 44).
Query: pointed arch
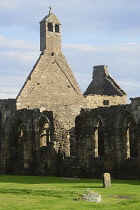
point(129, 132)
point(19, 125)
point(19, 130)
point(99, 137)
point(43, 128)
point(97, 120)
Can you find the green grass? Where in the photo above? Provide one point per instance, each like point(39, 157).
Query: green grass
point(32, 192)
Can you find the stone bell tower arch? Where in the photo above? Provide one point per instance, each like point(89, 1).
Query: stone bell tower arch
point(50, 34)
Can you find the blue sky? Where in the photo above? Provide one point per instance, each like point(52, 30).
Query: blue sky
point(102, 32)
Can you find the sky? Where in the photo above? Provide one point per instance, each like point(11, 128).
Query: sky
point(102, 32)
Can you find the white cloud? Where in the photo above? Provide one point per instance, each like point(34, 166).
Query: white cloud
point(22, 58)
point(17, 58)
point(9, 91)
point(83, 80)
point(91, 48)
point(130, 82)
point(6, 96)
point(83, 47)
point(9, 4)
point(104, 16)
point(19, 54)
point(20, 45)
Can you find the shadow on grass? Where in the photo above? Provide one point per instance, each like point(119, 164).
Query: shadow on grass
point(57, 180)
point(86, 187)
point(44, 180)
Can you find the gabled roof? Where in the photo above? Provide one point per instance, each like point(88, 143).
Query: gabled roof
point(103, 83)
point(51, 18)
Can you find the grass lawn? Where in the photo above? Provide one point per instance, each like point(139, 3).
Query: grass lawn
point(35, 192)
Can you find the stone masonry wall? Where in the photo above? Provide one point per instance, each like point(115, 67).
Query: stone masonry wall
point(52, 86)
point(7, 116)
point(94, 101)
point(112, 123)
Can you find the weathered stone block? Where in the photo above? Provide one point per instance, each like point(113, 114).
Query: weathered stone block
point(91, 196)
point(106, 180)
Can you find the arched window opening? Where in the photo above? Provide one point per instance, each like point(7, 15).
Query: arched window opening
point(57, 28)
point(78, 126)
point(133, 138)
point(19, 130)
point(50, 27)
point(43, 129)
point(44, 135)
point(130, 137)
point(99, 140)
point(101, 149)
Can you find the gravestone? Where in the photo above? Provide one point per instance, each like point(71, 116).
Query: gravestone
point(106, 180)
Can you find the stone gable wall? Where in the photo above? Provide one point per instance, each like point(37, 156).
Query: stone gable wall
point(95, 101)
point(52, 86)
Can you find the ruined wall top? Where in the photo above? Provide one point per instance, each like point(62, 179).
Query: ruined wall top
point(7, 104)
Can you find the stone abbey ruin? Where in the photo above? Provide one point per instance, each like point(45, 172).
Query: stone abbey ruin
point(51, 128)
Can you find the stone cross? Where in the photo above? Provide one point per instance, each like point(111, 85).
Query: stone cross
point(106, 180)
point(50, 12)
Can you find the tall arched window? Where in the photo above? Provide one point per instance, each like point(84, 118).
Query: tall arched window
point(130, 146)
point(20, 124)
point(99, 139)
point(43, 128)
point(44, 134)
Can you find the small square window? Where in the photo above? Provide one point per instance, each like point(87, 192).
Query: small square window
point(52, 54)
point(106, 102)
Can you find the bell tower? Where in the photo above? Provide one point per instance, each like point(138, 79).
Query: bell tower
point(50, 34)
point(51, 84)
